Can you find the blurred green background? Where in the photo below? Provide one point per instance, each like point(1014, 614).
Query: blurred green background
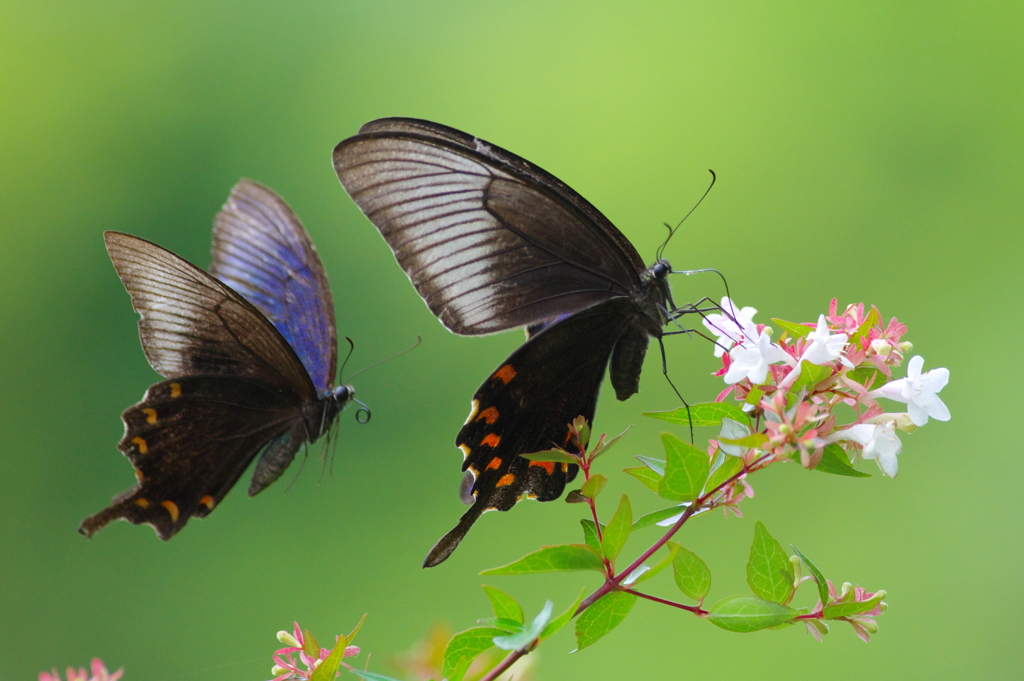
point(869, 151)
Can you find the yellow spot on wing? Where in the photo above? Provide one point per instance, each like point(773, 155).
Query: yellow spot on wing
point(141, 444)
point(473, 408)
point(208, 502)
point(506, 479)
point(142, 502)
point(494, 464)
point(491, 440)
point(175, 390)
point(565, 467)
point(490, 415)
point(172, 508)
point(138, 475)
point(505, 373)
point(466, 451)
point(150, 415)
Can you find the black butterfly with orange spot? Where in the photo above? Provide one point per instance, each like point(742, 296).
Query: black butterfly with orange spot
point(249, 352)
point(491, 242)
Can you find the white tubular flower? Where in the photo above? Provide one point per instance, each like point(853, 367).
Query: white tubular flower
point(824, 347)
point(919, 392)
point(750, 359)
point(879, 441)
point(729, 327)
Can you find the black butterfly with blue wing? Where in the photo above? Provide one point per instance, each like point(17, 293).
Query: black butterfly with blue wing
point(249, 352)
point(490, 242)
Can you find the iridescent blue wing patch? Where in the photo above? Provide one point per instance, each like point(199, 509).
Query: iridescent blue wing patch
point(262, 251)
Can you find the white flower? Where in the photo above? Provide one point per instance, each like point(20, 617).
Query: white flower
point(919, 392)
point(824, 347)
point(879, 441)
point(729, 327)
point(750, 359)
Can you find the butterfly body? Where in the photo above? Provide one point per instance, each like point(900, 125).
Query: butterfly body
point(248, 371)
point(491, 242)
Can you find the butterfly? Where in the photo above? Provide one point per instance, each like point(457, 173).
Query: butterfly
point(249, 351)
point(490, 242)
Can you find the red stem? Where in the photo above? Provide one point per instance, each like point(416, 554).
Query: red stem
point(696, 610)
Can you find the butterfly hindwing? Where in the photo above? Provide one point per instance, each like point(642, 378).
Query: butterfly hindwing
point(189, 440)
point(526, 406)
point(489, 240)
point(192, 324)
point(262, 251)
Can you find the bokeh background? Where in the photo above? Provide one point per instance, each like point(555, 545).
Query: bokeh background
point(870, 151)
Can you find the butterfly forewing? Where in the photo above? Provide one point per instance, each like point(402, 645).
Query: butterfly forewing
point(189, 440)
point(262, 251)
point(191, 323)
point(486, 244)
point(526, 406)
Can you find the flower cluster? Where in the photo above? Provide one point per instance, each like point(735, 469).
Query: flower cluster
point(797, 382)
point(97, 668)
point(863, 622)
point(309, 652)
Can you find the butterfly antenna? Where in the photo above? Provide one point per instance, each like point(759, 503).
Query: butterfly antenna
point(672, 230)
point(351, 349)
point(383, 361)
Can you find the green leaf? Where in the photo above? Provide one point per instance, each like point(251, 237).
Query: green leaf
point(703, 414)
point(769, 572)
point(656, 465)
point(603, 446)
point(752, 440)
point(872, 320)
point(329, 667)
point(591, 488)
point(563, 619)
point(522, 639)
point(504, 605)
point(658, 567)
point(556, 455)
point(370, 676)
point(868, 375)
point(657, 517)
point(834, 461)
point(686, 470)
point(564, 558)
point(583, 428)
point(730, 466)
point(852, 608)
point(743, 614)
point(462, 649)
point(616, 532)
point(754, 396)
point(816, 573)
point(692, 574)
point(506, 625)
point(309, 645)
point(604, 615)
point(590, 534)
point(795, 330)
point(810, 376)
point(649, 478)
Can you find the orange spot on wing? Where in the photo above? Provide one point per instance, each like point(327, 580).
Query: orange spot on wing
point(138, 475)
point(208, 502)
point(150, 415)
point(549, 466)
point(565, 467)
point(141, 444)
point(175, 390)
point(505, 373)
point(490, 415)
point(506, 479)
point(142, 502)
point(172, 508)
point(491, 440)
point(494, 464)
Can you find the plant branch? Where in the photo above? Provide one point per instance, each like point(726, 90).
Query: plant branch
point(696, 610)
point(509, 660)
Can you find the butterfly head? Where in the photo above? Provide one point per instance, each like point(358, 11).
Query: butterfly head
point(661, 269)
